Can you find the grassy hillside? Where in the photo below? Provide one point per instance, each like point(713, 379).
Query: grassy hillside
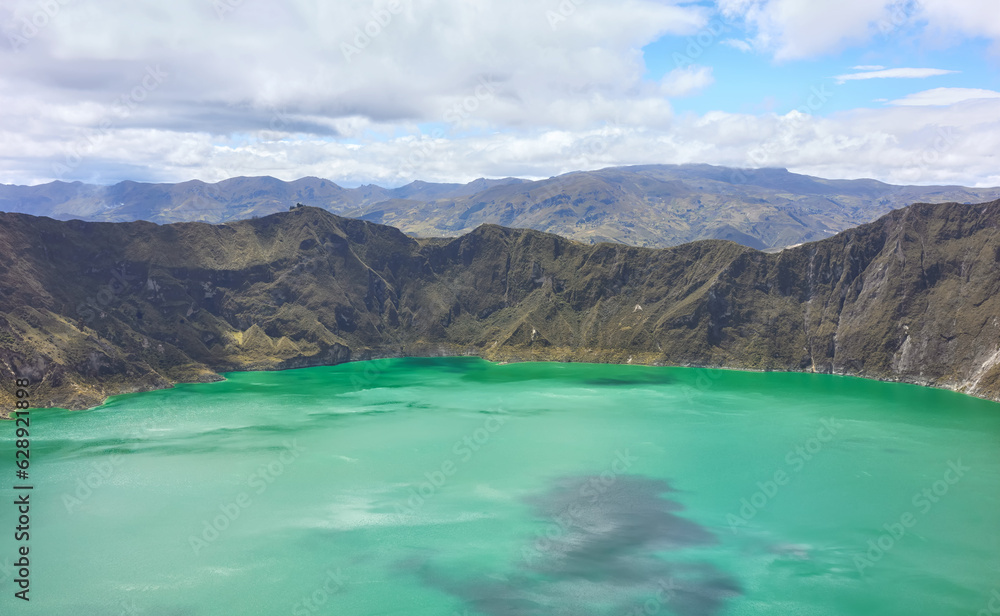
point(89, 310)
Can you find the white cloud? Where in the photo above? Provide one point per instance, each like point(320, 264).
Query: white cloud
point(686, 81)
point(923, 145)
point(445, 90)
point(739, 44)
point(945, 96)
point(968, 18)
point(895, 73)
point(320, 61)
point(795, 29)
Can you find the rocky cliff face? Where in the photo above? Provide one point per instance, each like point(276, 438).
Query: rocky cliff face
point(89, 310)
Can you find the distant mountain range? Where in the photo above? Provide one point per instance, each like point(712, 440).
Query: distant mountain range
point(89, 310)
point(653, 206)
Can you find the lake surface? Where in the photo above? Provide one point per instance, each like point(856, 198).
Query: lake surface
point(459, 487)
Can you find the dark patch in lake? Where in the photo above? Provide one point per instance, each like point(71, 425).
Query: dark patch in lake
point(631, 381)
point(600, 552)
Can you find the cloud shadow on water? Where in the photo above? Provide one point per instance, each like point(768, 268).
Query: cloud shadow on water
point(602, 552)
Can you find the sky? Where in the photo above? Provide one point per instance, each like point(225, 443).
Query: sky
point(391, 91)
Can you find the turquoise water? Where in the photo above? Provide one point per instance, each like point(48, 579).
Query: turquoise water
point(456, 486)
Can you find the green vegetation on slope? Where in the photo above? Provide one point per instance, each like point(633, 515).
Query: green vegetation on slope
point(93, 309)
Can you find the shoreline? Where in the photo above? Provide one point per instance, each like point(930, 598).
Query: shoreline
point(519, 359)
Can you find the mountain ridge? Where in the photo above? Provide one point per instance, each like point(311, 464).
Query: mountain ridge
point(89, 310)
point(646, 205)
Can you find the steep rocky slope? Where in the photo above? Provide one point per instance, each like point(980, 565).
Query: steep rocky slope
point(93, 309)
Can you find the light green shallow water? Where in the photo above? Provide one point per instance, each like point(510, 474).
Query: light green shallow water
point(581, 490)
